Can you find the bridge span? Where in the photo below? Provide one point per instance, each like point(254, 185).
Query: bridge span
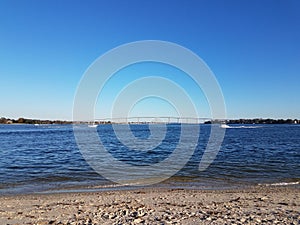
point(153, 120)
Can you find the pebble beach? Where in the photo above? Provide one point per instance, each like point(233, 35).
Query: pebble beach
point(256, 205)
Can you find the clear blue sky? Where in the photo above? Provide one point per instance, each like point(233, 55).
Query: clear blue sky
point(253, 48)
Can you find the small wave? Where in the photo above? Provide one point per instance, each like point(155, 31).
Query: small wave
point(281, 184)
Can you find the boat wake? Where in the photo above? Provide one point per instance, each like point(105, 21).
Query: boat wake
point(225, 126)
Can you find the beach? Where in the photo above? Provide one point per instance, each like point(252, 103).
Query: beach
point(255, 205)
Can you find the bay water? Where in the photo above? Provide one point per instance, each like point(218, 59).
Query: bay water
point(46, 158)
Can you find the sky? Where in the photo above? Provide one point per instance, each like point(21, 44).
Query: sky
point(252, 47)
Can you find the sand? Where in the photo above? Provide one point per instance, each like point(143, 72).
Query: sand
point(257, 205)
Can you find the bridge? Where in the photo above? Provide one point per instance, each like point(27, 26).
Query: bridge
point(153, 120)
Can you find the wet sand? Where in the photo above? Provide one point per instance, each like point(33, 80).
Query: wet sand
point(257, 205)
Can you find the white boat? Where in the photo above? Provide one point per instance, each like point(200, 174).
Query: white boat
point(224, 126)
point(93, 125)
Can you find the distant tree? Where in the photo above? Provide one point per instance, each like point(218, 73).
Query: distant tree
point(3, 120)
point(20, 120)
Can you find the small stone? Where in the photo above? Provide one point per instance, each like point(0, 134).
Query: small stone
point(112, 216)
point(243, 220)
point(134, 214)
point(192, 214)
point(263, 198)
point(208, 218)
point(105, 216)
point(138, 220)
point(258, 220)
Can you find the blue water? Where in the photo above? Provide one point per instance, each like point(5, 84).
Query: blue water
point(46, 158)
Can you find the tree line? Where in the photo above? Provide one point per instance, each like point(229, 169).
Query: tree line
point(257, 121)
point(4, 120)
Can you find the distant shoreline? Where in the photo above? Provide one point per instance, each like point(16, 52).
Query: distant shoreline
point(259, 121)
point(4, 120)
